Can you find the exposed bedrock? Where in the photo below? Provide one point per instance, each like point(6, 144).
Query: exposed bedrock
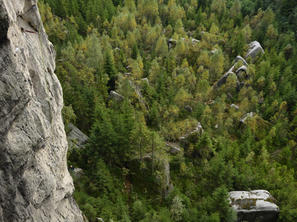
point(35, 184)
point(255, 205)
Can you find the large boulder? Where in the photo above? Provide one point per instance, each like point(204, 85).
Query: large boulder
point(174, 148)
point(242, 72)
point(239, 58)
point(256, 205)
point(171, 43)
point(246, 117)
point(152, 172)
point(76, 172)
point(198, 130)
point(234, 106)
point(116, 96)
point(223, 79)
point(75, 137)
point(254, 49)
point(195, 41)
point(242, 68)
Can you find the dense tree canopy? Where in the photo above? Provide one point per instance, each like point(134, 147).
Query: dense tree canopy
point(138, 75)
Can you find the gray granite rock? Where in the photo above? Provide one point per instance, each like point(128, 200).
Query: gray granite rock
point(239, 58)
point(254, 49)
point(145, 80)
point(256, 205)
point(234, 106)
point(174, 148)
point(116, 96)
point(198, 130)
point(171, 43)
point(75, 137)
point(242, 72)
point(247, 116)
point(77, 172)
point(161, 182)
point(195, 41)
point(35, 184)
point(189, 108)
point(214, 51)
point(223, 79)
point(241, 69)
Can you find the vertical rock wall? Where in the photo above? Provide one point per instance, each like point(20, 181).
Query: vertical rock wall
point(35, 184)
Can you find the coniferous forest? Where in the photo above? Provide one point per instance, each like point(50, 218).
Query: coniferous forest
point(175, 118)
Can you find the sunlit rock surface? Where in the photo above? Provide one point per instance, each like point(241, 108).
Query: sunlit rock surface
point(35, 184)
point(254, 49)
point(256, 205)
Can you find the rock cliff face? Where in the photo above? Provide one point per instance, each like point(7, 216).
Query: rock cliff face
point(35, 184)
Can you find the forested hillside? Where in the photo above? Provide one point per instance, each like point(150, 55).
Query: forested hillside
point(169, 138)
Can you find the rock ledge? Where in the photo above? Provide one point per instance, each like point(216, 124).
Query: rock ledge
point(256, 205)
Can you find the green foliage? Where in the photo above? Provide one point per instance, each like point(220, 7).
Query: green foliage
point(139, 210)
point(164, 58)
point(68, 115)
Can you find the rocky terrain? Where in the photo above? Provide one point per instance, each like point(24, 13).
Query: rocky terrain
point(35, 184)
point(256, 205)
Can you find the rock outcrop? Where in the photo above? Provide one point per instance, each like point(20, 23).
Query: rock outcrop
point(241, 72)
point(239, 58)
point(116, 96)
point(171, 43)
point(198, 130)
point(223, 79)
point(158, 182)
point(256, 205)
point(246, 116)
point(35, 185)
point(174, 148)
point(254, 49)
point(76, 138)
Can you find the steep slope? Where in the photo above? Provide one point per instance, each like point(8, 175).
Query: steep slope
point(35, 184)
